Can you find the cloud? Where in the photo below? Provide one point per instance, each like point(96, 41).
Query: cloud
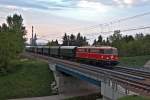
point(22, 4)
point(96, 6)
point(11, 7)
point(101, 5)
point(126, 3)
point(74, 9)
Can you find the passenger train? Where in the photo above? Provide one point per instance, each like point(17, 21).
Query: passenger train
point(104, 55)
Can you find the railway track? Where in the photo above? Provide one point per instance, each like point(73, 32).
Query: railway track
point(137, 82)
point(133, 71)
point(121, 76)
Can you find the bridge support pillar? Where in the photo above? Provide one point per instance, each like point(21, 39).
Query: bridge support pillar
point(111, 90)
point(70, 85)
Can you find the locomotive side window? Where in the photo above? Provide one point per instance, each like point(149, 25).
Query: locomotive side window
point(81, 50)
point(101, 51)
point(94, 50)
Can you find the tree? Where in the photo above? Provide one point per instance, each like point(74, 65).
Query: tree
point(53, 43)
point(95, 42)
point(100, 39)
point(139, 36)
point(65, 40)
point(80, 40)
point(127, 38)
point(85, 43)
point(72, 40)
point(107, 41)
point(15, 23)
point(99, 42)
point(56, 42)
point(4, 28)
point(12, 40)
point(115, 37)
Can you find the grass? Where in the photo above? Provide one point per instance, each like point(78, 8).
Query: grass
point(137, 61)
point(134, 98)
point(28, 78)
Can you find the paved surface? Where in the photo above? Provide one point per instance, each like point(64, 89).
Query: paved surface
point(147, 65)
point(55, 97)
point(59, 97)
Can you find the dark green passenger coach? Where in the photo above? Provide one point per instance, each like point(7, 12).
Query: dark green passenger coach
point(68, 51)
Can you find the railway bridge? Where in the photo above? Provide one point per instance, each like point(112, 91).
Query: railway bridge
point(113, 84)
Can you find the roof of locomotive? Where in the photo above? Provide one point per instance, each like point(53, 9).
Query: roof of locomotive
point(68, 47)
point(55, 47)
point(100, 47)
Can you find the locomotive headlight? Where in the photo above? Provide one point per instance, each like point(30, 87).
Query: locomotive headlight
point(102, 57)
point(112, 57)
point(107, 58)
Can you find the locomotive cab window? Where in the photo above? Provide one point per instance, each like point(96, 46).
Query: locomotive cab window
point(115, 51)
point(108, 51)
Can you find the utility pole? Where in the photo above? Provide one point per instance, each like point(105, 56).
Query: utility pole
point(32, 32)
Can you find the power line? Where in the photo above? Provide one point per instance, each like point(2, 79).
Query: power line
point(130, 29)
point(116, 21)
point(2, 17)
point(113, 22)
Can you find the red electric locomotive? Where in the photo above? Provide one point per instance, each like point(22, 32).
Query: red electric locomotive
point(102, 55)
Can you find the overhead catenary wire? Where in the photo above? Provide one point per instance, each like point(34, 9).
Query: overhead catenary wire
point(111, 25)
point(113, 22)
point(2, 17)
point(129, 29)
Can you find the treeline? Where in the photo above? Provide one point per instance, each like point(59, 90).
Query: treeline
point(73, 40)
point(127, 45)
point(53, 43)
point(70, 40)
point(12, 40)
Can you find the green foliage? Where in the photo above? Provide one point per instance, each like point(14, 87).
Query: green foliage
point(53, 43)
point(127, 45)
point(134, 98)
point(137, 61)
point(11, 40)
point(7, 49)
point(29, 78)
point(133, 46)
point(73, 40)
point(100, 41)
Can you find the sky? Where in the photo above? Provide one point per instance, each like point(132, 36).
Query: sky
point(52, 18)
